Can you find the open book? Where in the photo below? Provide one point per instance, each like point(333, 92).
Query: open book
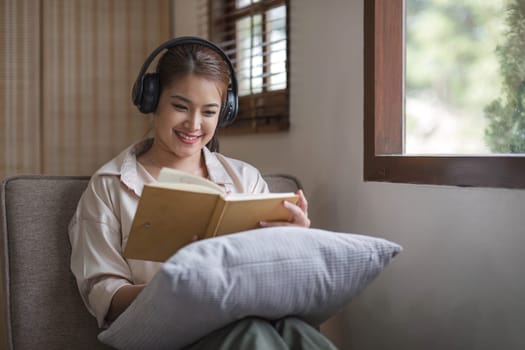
point(180, 206)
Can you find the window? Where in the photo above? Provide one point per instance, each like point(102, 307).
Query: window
point(385, 155)
point(254, 34)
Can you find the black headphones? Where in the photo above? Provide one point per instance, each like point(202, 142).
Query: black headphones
point(146, 89)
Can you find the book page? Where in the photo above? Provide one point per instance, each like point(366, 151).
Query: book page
point(172, 178)
point(184, 187)
point(257, 196)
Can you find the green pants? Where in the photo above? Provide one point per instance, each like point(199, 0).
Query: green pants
point(258, 334)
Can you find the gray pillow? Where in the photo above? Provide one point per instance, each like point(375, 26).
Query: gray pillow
point(268, 272)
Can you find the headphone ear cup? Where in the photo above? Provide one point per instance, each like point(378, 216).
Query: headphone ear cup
point(229, 111)
point(150, 93)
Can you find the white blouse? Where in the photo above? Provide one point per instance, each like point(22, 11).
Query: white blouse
point(100, 227)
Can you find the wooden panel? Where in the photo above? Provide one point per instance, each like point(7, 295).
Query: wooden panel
point(388, 76)
point(93, 51)
point(19, 87)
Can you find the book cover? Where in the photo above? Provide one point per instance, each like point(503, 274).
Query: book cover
point(180, 206)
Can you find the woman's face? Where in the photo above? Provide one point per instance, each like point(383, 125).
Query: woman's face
point(187, 115)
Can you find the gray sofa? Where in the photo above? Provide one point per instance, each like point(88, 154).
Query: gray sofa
point(40, 307)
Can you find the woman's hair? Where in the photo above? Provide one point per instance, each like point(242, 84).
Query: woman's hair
point(184, 59)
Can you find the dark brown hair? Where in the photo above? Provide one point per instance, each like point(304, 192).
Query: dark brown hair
point(185, 59)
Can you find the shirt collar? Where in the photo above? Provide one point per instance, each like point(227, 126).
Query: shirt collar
point(128, 170)
point(216, 171)
point(125, 166)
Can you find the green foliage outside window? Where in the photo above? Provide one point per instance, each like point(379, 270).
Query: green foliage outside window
point(451, 73)
point(505, 132)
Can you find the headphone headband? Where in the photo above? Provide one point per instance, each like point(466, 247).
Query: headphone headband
point(146, 89)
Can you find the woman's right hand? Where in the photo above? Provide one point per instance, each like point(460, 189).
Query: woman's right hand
point(298, 214)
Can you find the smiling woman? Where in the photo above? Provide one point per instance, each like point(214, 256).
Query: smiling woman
point(192, 93)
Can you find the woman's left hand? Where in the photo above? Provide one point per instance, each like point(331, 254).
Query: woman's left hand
point(298, 214)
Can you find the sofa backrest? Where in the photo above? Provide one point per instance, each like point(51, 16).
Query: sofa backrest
point(40, 307)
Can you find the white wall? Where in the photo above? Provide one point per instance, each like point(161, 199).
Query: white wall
point(459, 282)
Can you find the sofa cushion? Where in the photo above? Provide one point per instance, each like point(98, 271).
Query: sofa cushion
point(45, 308)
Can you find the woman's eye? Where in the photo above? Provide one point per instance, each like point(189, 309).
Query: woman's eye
point(210, 113)
point(180, 107)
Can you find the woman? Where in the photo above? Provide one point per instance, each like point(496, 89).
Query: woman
point(193, 78)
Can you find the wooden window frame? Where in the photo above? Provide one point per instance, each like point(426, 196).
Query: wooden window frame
point(269, 110)
point(383, 117)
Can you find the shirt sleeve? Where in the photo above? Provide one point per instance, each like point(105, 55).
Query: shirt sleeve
point(97, 261)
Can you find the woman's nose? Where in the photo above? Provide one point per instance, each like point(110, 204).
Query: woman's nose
point(193, 121)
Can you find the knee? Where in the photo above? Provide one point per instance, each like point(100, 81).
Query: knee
point(293, 322)
point(253, 322)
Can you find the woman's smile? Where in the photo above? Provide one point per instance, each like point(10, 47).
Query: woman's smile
point(188, 138)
